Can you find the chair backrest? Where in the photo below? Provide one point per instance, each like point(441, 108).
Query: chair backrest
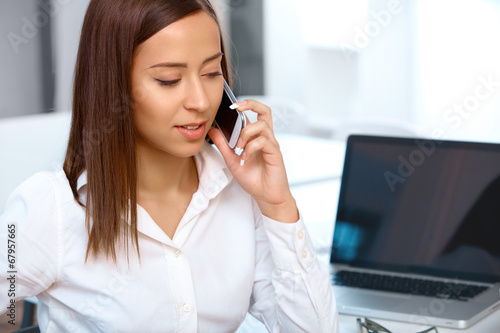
point(374, 125)
point(31, 329)
point(29, 144)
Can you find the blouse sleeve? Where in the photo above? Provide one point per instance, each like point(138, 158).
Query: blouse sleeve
point(292, 290)
point(29, 237)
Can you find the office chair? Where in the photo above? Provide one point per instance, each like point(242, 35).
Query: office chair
point(29, 312)
point(373, 125)
point(29, 144)
point(31, 329)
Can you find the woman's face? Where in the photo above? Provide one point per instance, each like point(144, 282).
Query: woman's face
point(177, 86)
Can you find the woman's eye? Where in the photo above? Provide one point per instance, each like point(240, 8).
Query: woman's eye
point(167, 83)
point(214, 74)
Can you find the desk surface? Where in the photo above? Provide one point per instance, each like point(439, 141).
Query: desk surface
point(314, 167)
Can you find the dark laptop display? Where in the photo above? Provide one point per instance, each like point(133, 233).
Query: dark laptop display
point(420, 206)
point(416, 236)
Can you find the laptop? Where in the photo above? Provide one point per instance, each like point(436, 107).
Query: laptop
point(417, 232)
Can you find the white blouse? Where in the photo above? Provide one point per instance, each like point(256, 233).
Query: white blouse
point(225, 259)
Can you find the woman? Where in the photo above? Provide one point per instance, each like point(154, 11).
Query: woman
point(147, 228)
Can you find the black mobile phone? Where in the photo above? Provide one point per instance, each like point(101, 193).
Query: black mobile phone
point(229, 122)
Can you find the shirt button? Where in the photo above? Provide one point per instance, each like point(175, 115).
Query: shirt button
point(300, 235)
point(186, 307)
point(304, 253)
point(177, 253)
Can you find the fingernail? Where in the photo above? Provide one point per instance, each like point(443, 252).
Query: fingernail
point(243, 157)
point(234, 106)
point(239, 150)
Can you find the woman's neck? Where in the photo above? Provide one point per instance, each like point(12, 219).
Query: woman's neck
point(162, 175)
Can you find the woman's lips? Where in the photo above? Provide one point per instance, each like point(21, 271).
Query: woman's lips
point(192, 131)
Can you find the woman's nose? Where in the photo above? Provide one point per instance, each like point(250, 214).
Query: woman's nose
point(196, 97)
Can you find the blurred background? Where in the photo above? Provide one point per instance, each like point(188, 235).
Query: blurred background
point(324, 65)
point(328, 68)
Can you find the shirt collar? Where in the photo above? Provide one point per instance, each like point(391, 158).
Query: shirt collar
point(213, 177)
point(212, 172)
point(82, 180)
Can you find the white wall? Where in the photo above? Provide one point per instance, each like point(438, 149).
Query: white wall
point(20, 77)
point(285, 49)
point(405, 59)
point(459, 53)
point(338, 57)
point(67, 23)
point(387, 62)
point(21, 90)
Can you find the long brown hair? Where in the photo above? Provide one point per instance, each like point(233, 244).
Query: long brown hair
point(102, 131)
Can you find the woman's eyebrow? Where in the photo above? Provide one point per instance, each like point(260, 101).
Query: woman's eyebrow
point(181, 64)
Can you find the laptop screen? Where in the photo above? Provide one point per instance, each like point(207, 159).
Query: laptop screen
point(420, 206)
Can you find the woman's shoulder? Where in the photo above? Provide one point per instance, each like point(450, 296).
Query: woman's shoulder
point(43, 182)
point(46, 189)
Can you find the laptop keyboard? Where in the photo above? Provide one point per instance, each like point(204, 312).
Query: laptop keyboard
point(413, 286)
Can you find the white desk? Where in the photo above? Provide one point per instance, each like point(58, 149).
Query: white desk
point(313, 167)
